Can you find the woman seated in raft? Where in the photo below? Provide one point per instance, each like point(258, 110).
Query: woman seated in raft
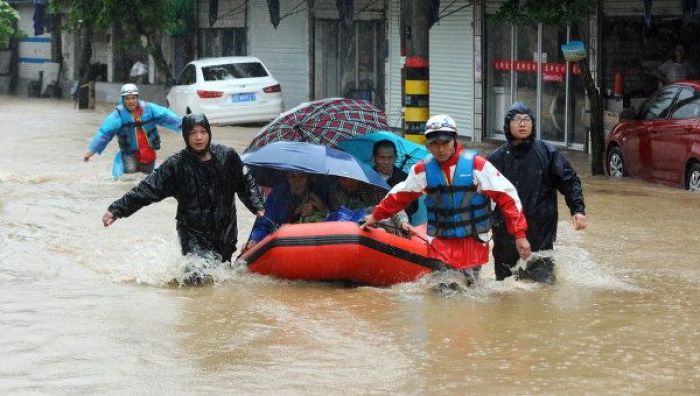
point(296, 200)
point(353, 199)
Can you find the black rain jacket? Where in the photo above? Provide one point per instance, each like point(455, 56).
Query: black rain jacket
point(205, 193)
point(538, 171)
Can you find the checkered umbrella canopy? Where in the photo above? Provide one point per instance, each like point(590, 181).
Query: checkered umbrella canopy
point(325, 122)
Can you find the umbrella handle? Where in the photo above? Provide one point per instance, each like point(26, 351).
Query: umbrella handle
point(405, 159)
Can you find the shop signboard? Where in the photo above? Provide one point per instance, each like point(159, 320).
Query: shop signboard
point(553, 72)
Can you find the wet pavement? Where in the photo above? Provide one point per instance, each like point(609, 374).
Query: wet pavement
point(84, 309)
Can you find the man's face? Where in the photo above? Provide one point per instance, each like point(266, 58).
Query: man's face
point(198, 139)
point(442, 150)
point(131, 101)
point(298, 181)
point(521, 127)
point(384, 160)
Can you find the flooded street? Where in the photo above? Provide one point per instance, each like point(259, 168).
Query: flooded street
point(85, 309)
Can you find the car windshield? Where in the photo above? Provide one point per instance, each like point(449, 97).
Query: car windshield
point(233, 71)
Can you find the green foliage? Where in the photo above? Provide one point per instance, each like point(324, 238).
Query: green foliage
point(180, 18)
point(132, 19)
point(549, 12)
point(78, 12)
point(8, 17)
point(136, 17)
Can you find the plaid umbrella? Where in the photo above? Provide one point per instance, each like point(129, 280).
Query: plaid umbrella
point(325, 122)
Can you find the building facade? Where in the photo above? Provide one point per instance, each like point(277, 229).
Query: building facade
point(36, 62)
point(626, 40)
point(478, 66)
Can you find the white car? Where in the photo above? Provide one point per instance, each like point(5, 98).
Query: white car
point(228, 90)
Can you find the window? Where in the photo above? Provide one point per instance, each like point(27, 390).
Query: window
point(659, 105)
point(499, 74)
point(557, 95)
point(189, 76)
point(232, 71)
point(687, 104)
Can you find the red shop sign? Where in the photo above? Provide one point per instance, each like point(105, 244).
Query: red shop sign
point(531, 67)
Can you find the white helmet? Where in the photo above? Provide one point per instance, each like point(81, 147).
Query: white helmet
point(440, 125)
point(129, 89)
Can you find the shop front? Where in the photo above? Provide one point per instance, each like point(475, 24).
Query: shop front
point(524, 63)
point(315, 52)
point(453, 83)
point(626, 44)
point(283, 49)
point(348, 54)
point(637, 41)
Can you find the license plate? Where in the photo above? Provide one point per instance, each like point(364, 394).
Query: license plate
point(243, 97)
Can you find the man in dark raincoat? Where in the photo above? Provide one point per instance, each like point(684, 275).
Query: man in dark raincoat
point(537, 170)
point(134, 122)
point(204, 179)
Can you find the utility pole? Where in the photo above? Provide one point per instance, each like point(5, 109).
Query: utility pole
point(416, 91)
point(85, 83)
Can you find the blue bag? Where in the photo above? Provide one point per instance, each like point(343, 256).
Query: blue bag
point(345, 214)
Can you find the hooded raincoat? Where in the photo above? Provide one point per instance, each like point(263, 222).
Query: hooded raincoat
point(121, 123)
point(205, 192)
point(537, 170)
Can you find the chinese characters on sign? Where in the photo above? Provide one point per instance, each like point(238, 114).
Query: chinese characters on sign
point(550, 71)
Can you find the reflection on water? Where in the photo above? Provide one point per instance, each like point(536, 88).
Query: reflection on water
point(88, 309)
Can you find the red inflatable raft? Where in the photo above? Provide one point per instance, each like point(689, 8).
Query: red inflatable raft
point(332, 251)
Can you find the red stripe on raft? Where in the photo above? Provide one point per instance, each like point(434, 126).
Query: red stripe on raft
point(337, 262)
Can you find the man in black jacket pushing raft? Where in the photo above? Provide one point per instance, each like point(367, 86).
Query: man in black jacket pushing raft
point(204, 179)
point(537, 170)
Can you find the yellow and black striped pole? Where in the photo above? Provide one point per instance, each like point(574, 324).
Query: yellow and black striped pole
point(416, 99)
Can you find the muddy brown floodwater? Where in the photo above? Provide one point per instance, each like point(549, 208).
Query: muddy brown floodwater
point(84, 309)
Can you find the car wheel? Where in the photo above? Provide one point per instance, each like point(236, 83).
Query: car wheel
point(692, 180)
point(616, 164)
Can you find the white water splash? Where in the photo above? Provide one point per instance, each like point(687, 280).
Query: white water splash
point(159, 263)
point(574, 268)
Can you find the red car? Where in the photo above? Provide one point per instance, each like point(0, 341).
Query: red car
point(660, 142)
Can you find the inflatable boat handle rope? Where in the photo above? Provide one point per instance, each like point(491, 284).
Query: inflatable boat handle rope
point(361, 222)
